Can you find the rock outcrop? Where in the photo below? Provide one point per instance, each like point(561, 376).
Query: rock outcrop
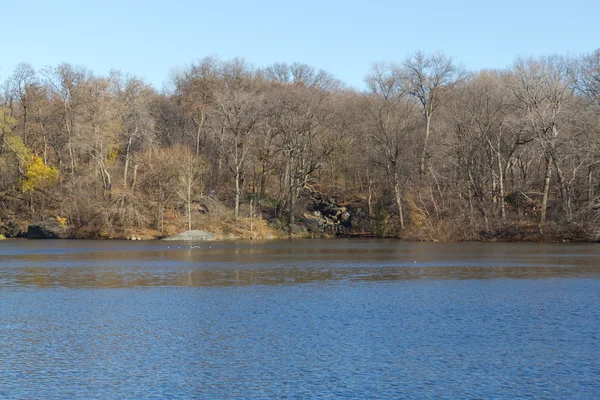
point(325, 215)
point(329, 216)
point(11, 228)
point(194, 235)
point(49, 229)
point(209, 205)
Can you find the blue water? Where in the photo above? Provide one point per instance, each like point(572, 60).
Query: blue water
point(318, 319)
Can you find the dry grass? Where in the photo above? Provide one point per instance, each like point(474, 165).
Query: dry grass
point(242, 228)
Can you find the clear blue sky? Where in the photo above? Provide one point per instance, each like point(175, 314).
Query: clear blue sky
point(149, 38)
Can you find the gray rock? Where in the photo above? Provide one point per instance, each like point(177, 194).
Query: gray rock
point(194, 235)
point(276, 223)
point(49, 229)
point(11, 228)
point(209, 205)
point(313, 222)
point(298, 229)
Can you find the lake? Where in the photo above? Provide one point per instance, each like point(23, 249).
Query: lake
point(377, 319)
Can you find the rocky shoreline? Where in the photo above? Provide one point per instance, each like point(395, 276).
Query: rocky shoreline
point(321, 217)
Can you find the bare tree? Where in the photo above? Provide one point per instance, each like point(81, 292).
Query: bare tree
point(587, 77)
point(237, 100)
point(132, 102)
point(22, 83)
point(67, 84)
point(190, 178)
point(426, 76)
point(476, 111)
point(302, 123)
point(390, 122)
point(542, 90)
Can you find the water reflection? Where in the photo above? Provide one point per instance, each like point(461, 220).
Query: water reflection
point(119, 265)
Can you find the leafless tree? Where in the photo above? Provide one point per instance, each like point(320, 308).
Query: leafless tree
point(390, 122)
point(426, 77)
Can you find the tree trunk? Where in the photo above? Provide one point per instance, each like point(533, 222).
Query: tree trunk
point(501, 184)
point(424, 152)
point(565, 191)
point(134, 180)
point(126, 167)
point(237, 193)
point(546, 189)
point(292, 204)
point(25, 124)
point(472, 212)
point(199, 125)
point(484, 213)
point(189, 199)
point(590, 185)
point(370, 198)
point(398, 200)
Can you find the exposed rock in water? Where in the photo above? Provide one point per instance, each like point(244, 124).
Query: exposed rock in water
point(49, 229)
point(194, 235)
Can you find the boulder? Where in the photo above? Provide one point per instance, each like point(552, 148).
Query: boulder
point(360, 221)
point(314, 222)
point(11, 228)
point(210, 205)
point(298, 229)
point(194, 235)
point(49, 229)
point(275, 223)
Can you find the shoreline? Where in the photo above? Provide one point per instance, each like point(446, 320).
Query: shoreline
point(549, 240)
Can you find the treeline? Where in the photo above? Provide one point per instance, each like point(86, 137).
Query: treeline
point(428, 151)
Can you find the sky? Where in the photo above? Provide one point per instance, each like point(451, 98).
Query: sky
point(151, 38)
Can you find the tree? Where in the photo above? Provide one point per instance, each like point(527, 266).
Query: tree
point(302, 121)
point(68, 86)
point(22, 83)
point(476, 111)
point(132, 102)
point(14, 155)
point(238, 108)
point(159, 174)
point(191, 172)
point(426, 76)
point(587, 85)
point(542, 90)
point(300, 74)
point(587, 77)
point(390, 122)
point(195, 89)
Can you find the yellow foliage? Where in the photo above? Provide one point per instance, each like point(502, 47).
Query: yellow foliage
point(6, 121)
point(13, 142)
point(62, 222)
point(38, 175)
point(113, 153)
point(16, 145)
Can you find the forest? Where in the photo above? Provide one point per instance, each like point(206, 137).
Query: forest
point(427, 151)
